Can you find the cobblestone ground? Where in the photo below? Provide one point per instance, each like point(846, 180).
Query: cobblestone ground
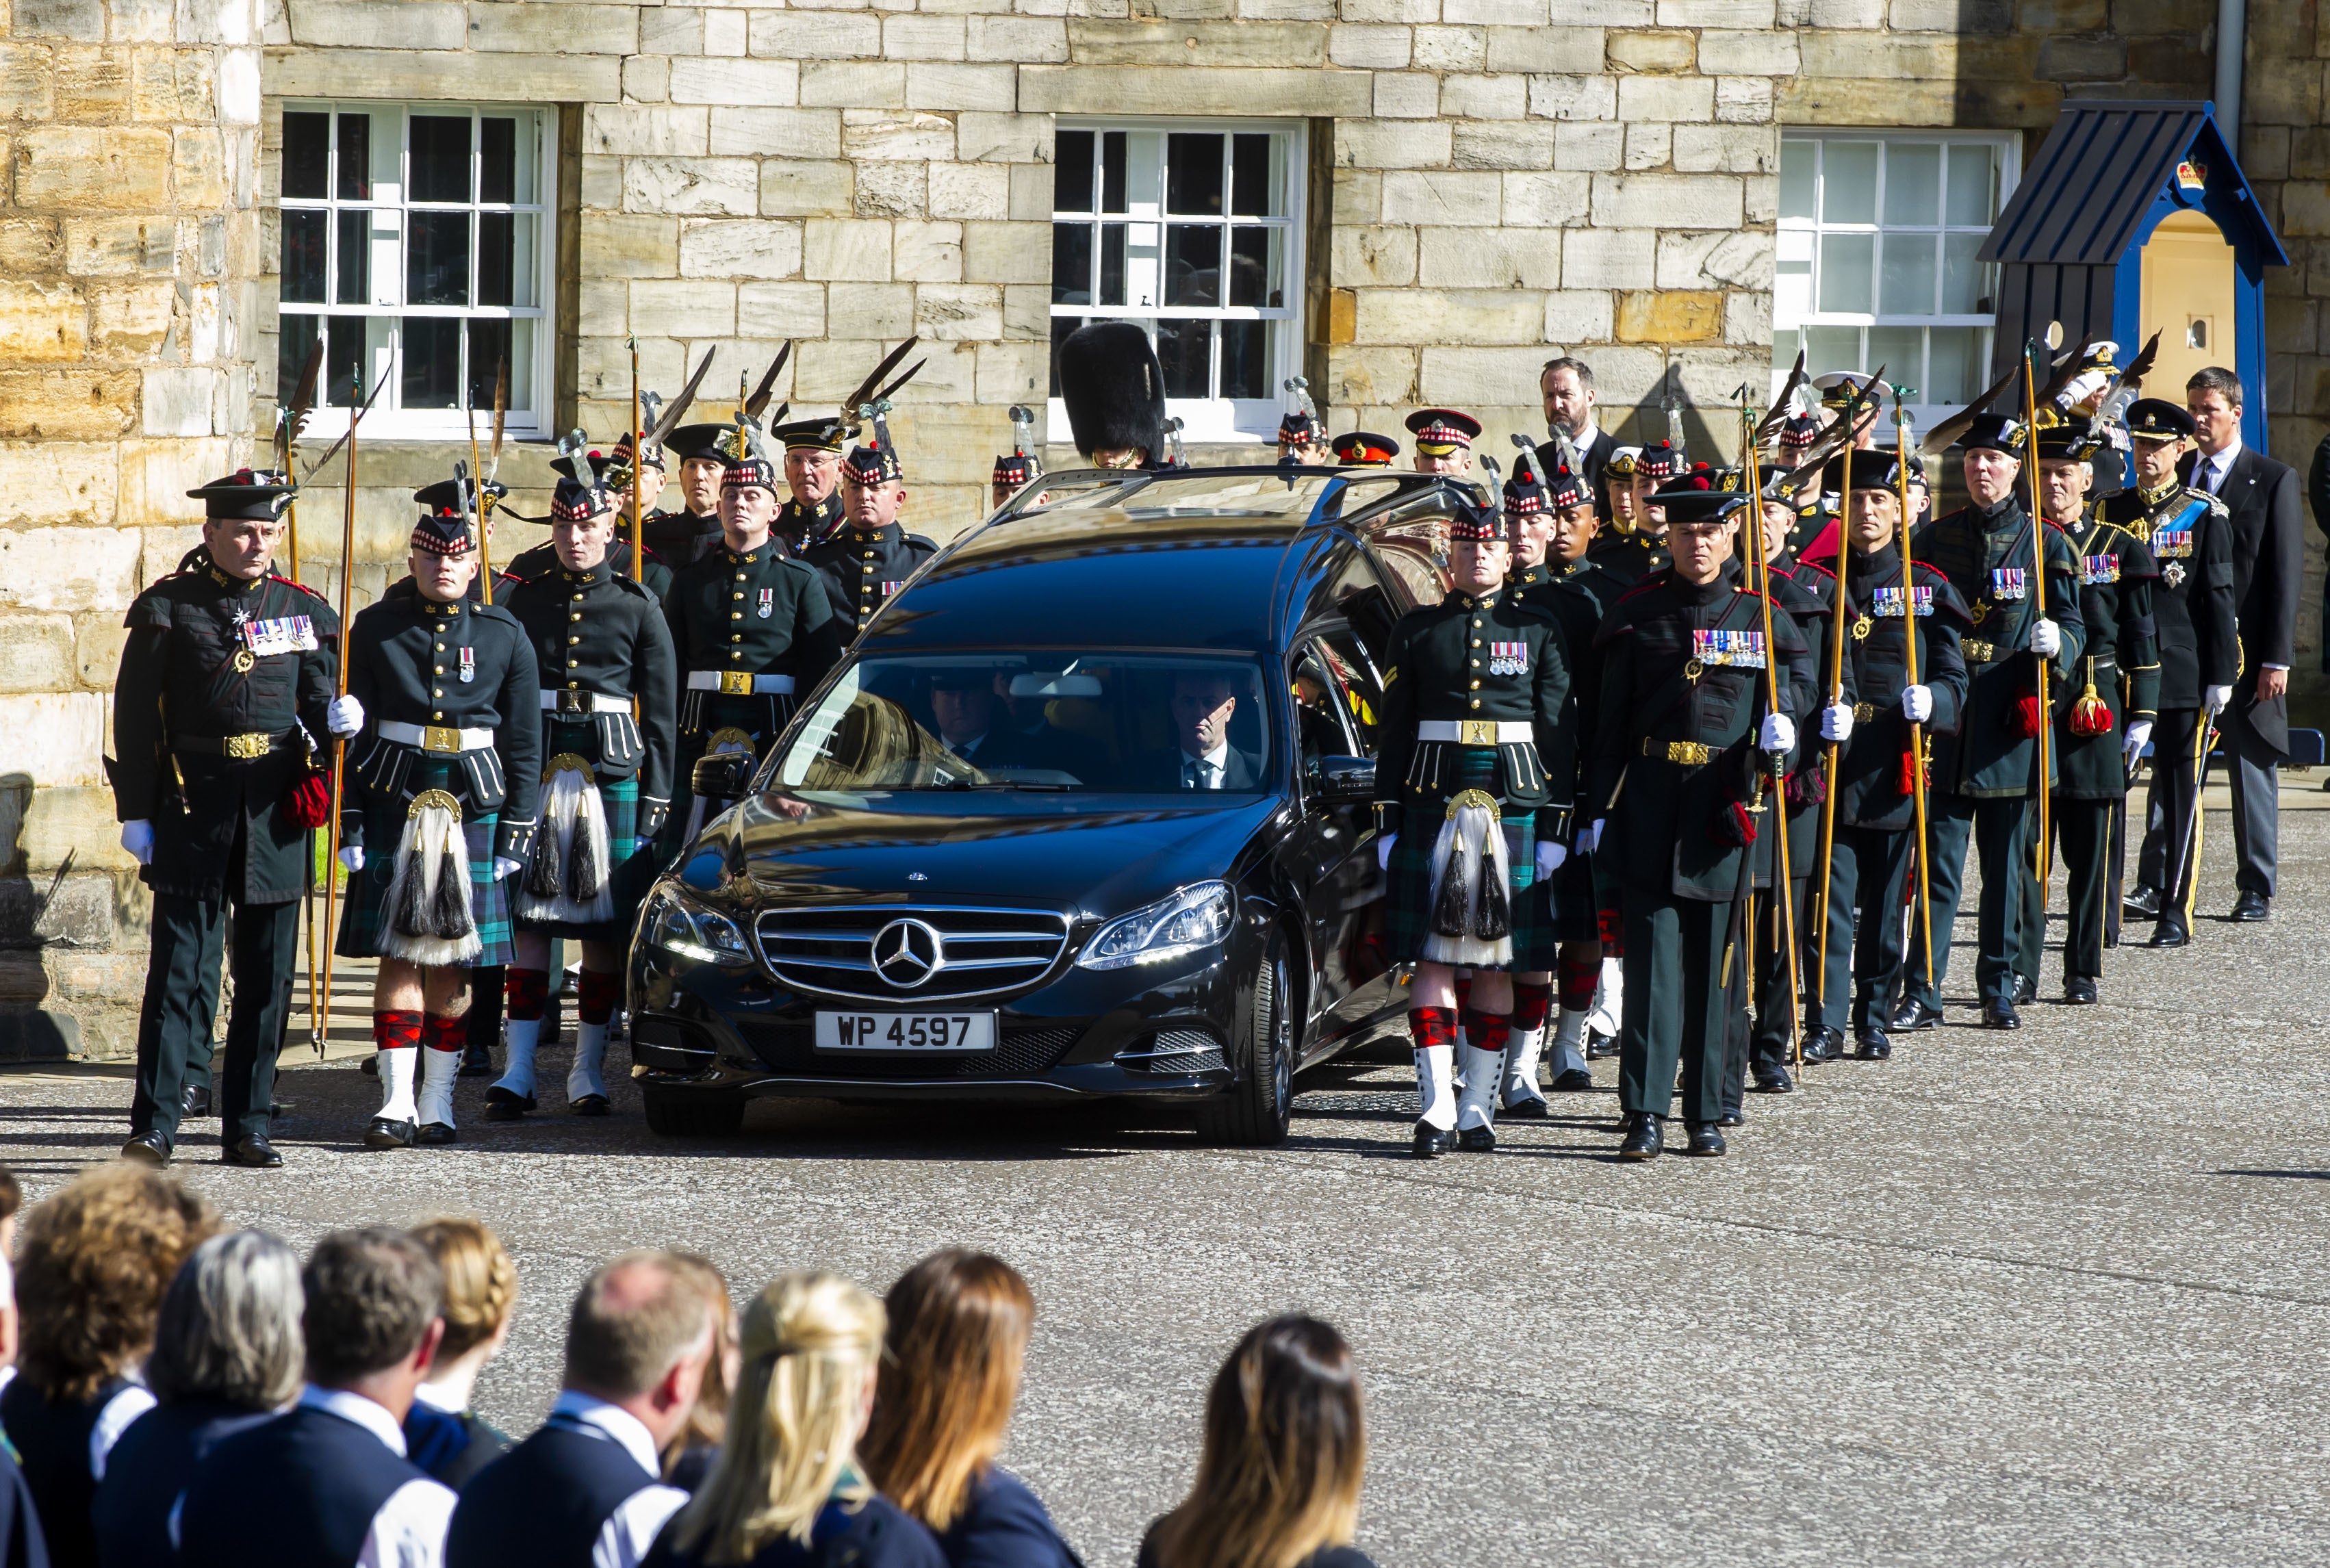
point(2055, 1297)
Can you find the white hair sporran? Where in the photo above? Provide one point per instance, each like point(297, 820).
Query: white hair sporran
point(567, 880)
point(1472, 906)
point(426, 919)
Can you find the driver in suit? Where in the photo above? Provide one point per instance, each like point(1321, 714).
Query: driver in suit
point(1202, 757)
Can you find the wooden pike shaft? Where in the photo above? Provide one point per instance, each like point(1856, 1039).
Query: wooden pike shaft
point(340, 747)
point(1783, 896)
point(477, 511)
point(638, 557)
point(2040, 862)
point(1831, 751)
point(1910, 674)
point(307, 914)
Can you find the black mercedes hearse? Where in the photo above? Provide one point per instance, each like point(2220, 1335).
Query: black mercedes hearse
point(1086, 811)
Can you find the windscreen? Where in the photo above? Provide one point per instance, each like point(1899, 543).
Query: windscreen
point(1078, 722)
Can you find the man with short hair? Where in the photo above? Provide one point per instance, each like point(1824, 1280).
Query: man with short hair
point(584, 1490)
point(870, 557)
point(338, 1487)
point(1635, 546)
point(679, 539)
point(812, 514)
point(1444, 441)
point(1202, 757)
point(1567, 385)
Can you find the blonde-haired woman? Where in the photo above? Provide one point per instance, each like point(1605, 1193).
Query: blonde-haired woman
point(442, 1434)
point(1284, 1451)
point(786, 1491)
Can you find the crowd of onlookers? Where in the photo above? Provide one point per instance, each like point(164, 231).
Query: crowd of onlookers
point(177, 1391)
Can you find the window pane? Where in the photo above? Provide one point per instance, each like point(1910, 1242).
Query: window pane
point(1955, 366)
point(1966, 283)
point(437, 258)
point(432, 372)
point(1846, 262)
point(1849, 182)
point(1913, 184)
point(1974, 185)
point(1254, 267)
point(1061, 327)
point(303, 256)
point(307, 154)
point(1906, 287)
point(441, 157)
point(1112, 173)
point(293, 339)
point(1193, 264)
point(356, 259)
point(346, 367)
point(356, 158)
point(505, 258)
point(1185, 349)
point(496, 160)
point(1828, 348)
point(1899, 352)
point(1245, 358)
point(488, 344)
point(1193, 174)
point(1253, 192)
point(1111, 263)
point(1072, 263)
point(1785, 344)
point(1797, 161)
point(1071, 172)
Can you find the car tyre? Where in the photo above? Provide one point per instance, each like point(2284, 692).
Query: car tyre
point(693, 1115)
point(1255, 1112)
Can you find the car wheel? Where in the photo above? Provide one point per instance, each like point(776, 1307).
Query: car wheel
point(694, 1115)
point(1256, 1111)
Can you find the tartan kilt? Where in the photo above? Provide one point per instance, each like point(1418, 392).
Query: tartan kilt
point(628, 874)
point(1407, 901)
point(367, 896)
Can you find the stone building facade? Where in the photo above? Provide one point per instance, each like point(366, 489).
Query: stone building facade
point(1457, 190)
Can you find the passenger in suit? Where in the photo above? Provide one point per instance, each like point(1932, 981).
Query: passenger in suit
point(1567, 385)
point(975, 724)
point(1202, 757)
point(2261, 495)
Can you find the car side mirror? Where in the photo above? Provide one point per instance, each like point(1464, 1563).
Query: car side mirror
point(1347, 778)
point(726, 776)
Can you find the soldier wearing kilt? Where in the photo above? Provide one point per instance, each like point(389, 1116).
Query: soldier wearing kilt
point(1678, 780)
point(609, 477)
point(1473, 784)
point(605, 654)
point(2102, 719)
point(437, 811)
point(223, 692)
point(871, 558)
point(1635, 545)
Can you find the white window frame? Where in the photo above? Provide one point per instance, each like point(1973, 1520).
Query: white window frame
point(1227, 421)
point(1797, 243)
point(387, 420)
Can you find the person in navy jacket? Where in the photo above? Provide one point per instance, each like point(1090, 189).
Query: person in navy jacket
point(327, 1484)
point(582, 1491)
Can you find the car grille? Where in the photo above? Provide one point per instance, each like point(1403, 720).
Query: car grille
point(1176, 1054)
point(983, 952)
point(1018, 1053)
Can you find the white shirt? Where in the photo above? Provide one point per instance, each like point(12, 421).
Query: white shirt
point(113, 1420)
point(408, 1531)
point(632, 1528)
point(1214, 759)
point(1585, 436)
point(2213, 470)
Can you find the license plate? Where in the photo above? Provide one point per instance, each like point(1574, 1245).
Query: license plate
point(931, 1034)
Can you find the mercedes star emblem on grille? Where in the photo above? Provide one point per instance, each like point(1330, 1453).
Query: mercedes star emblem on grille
point(907, 952)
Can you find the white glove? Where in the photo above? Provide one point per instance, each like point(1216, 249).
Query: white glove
point(1836, 722)
point(138, 839)
point(1590, 838)
point(2046, 639)
point(345, 717)
point(1916, 704)
point(1550, 853)
point(1779, 733)
point(2216, 700)
point(504, 865)
point(2139, 735)
point(352, 856)
point(1383, 850)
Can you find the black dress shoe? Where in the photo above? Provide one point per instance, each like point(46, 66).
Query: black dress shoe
point(1646, 1135)
point(2079, 990)
point(1432, 1142)
point(477, 1061)
point(435, 1134)
point(506, 1104)
point(1476, 1140)
point(147, 1148)
point(1600, 1048)
point(385, 1134)
point(1731, 1117)
point(596, 1105)
point(2026, 991)
point(1911, 1016)
point(193, 1100)
point(1531, 1108)
point(1772, 1078)
point(1871, 1045)
point(255, 1152)
point(2144, 903)
point(1706, 1140)
point(1577, 1081)
point(1823, 1045)
point(2001, 1015)
point(2171, 932)
point(2252, 906)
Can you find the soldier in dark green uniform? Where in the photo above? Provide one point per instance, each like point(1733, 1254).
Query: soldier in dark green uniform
point(1818, 508)
point(2190, 536)
point(1986, 772)
point(871, 557)
point(608, 476)
point(751, 629)
point(1472, 779)
point(1679, 786)
point(1635, 545)
point(438, 809)
point(811, 514)
point(221, 703)
point(604, 650)
point(680, 539)
point(1868, 864)
point(2103, 715)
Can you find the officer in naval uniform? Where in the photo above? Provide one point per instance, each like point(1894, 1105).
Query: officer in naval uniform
point(681, 538)
point(219, 718)
point(871, 557)
point(1986, 772)
point(812, 514)
point(2190, 536)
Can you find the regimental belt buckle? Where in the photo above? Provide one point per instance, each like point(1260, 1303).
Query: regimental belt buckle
point(1476, 732)
point(1690, 753)
point(441, 738)
point(735, 684)
point(244, 747)
point(573, 703)
point(1863, 712)
point(1978, 650)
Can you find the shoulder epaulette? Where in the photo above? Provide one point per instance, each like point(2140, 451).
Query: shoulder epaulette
point(1638, 590)
point(295, 582)
point(633, 585)
point(1816, 566)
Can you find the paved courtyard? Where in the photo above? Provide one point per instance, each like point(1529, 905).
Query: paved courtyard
point(2060, 1296)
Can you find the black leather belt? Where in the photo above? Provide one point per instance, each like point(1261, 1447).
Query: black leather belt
point(241, 748)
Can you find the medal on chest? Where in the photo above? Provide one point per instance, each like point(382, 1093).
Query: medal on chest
point(2172, 543)
point(1509, 658)
point(1739, 649)
point(244, 660)
point(1892, 604)
point(469, 665)
point(2173, 574)
point(1862, 626)
point(2095, 570)
point(768, 604)
point(2006, 582)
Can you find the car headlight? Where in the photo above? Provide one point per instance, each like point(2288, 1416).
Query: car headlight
point(696, 933)
point(1194, 919)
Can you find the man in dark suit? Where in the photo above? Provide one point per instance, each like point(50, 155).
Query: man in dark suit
point(1202, 757)
point(1568, 385)
point(2261, 495)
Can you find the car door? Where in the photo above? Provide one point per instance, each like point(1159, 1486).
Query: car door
point(1330, 857)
